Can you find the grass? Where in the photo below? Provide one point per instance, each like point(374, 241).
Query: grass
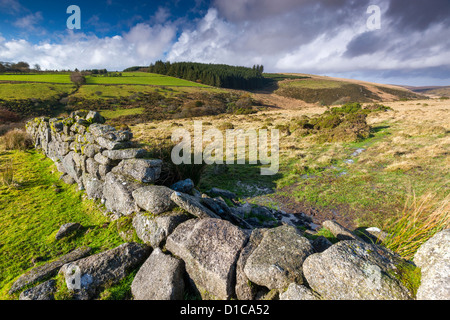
point(44, 91)
point(112, 114)
point(33, 211)
point(420, 219)
point(30, 77)
point(407, 150)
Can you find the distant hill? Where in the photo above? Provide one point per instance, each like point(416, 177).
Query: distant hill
point(432, 91)
point(335, 91)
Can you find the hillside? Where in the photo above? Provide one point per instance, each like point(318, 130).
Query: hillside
point(334, 91)
point(434, 91)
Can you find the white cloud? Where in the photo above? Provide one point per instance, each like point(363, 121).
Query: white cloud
point(140, 46)
point(29, 21)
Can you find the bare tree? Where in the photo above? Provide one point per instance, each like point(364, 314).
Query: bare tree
point(77, 78)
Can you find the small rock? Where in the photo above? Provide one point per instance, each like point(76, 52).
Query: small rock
point(95, 117)
point(340, 232)
point(67, 229)
point(321, 244)
point(222, 193)
point(43, 291)
point(184, 186)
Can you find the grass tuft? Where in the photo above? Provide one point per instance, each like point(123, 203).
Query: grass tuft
point(420, 219)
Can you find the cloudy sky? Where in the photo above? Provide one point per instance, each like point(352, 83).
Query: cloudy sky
point(326, 37)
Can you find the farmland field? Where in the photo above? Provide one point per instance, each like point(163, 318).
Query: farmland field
point(43, 91)
point(50, 78)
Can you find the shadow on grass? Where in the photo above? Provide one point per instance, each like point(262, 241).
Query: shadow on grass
point(245, 180)
point(378, 129)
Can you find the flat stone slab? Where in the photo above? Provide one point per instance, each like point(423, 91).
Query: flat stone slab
point(192, 205)
point(105, 268)
point(48, 269)
point(124, 154)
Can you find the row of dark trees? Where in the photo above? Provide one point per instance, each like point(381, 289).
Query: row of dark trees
point(19, 67)
point(217, 75)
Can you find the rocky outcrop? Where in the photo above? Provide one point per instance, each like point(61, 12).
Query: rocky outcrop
point(433, 258)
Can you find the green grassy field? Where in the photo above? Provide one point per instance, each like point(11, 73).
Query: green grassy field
point(44, 91)
point(33, 211)
point(49, 78)
point(47, 86)
point(112, 114)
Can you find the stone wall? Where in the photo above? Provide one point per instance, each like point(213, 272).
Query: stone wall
point(97, 157)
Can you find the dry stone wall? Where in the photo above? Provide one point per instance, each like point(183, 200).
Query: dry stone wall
point(97, 157)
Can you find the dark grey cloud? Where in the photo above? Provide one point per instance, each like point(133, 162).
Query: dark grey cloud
point(418, 14)
point(366, 43)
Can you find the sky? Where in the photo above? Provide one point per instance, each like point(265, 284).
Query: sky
point(407, 43)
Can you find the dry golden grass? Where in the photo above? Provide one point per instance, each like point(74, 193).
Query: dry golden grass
point(417, 133)
point(420, 220)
